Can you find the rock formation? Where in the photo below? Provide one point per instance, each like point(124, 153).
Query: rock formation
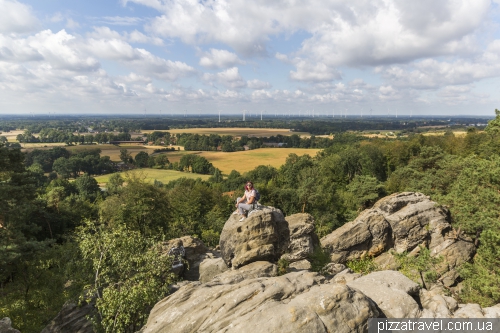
point(239, 290)
point(401, 222)
point(264, 235)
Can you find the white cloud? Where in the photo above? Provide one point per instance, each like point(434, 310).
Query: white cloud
point(230, 78)
point(131, 37)
point(313, 72)
point(16, 17)
point(219, 59)
point(258, 84)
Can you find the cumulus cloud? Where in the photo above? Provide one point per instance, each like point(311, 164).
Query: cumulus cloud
point(16, 17)
point(313, 72)
point(258, 84)
point(219, 59)
point(229, 78)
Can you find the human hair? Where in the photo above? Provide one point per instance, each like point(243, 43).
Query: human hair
point(246, 185)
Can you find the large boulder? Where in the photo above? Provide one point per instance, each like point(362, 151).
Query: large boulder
point(264, 235)
point(295, 302)
point(393, 293)
point(303, 239)
point(71, 319)
point(402, 222)
point(210, 268)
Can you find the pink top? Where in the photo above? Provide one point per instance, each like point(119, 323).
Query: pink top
point(249, 194)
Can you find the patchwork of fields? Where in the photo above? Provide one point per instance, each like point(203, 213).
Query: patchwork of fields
point(235, 131)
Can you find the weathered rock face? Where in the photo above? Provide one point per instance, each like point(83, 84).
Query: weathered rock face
point(391, 291)
point(210, 268)
point(71, 319)
point(296, 302)
point(303, 238)
point(264, 235)
point(6, 326)
point(401, 221)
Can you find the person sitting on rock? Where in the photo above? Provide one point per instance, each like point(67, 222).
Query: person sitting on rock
point(245, 203)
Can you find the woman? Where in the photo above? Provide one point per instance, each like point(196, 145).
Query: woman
point(244, 204)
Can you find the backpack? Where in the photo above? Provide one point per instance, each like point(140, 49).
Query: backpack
point(257, 195)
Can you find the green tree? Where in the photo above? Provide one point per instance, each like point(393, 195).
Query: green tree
point(87, 187)
point(139, 206)
point(130, 274)
point(141, 159)
point(125, 156)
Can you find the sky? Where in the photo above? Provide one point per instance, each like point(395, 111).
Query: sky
point(321, 57)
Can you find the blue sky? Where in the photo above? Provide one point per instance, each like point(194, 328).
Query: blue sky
point(127, 56)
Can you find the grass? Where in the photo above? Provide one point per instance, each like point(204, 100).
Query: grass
point(235, 131)
point(150, 175)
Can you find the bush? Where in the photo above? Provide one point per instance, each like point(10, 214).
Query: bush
point(363, 265)
point(319, 258)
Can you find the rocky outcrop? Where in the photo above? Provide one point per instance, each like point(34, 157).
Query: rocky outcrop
point(71, 319)
point(401, 222)
point(264, 235)
point(392, 291)
point(6, 326)
point(210, 268)
point(296, 302)
point(303, 239)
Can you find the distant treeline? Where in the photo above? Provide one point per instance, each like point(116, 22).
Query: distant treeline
point(229, 143)
point(50, 135)
point(316, 126)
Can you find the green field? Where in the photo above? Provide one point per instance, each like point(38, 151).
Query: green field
point(150, 175)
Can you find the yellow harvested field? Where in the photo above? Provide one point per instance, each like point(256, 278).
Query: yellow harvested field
point(11, 136)
point(243, 161)
point(456, 133)
point(149, 175)
point(235, 131)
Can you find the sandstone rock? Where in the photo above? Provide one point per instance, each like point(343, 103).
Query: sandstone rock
point(436, 305)
point(469, 311)
point(386, 261)
point(254, 270)
point(71, 319)
point(401, 221)
point(211, 267)
point(333, 269)
point(6, 326)
point(299, 266)
point(262, 236)
point(303, 239)
point(391, 291)
point(454, 254)
point(295, 302)
point(492, 311)
point(346, 276)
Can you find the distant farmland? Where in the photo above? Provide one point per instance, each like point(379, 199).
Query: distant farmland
point(235, 131)
point(149, 175)
point(243, 161)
